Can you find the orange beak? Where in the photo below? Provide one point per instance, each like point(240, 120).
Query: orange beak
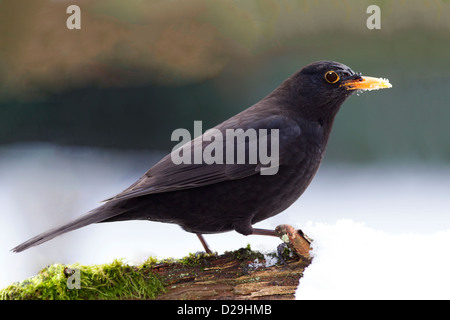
point(367, 83)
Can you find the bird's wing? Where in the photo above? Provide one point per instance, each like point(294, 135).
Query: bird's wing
point(167, 176)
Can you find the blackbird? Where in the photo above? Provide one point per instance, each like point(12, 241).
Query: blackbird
point(204, 197)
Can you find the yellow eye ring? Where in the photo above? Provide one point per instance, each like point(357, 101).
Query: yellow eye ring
point(331, 77)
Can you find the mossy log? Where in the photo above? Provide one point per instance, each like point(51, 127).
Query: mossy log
point(240, 274)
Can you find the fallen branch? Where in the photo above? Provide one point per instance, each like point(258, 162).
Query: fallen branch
point(240, 274)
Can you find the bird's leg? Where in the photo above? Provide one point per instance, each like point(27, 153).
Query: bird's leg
point(264, 232)
point(204, 244)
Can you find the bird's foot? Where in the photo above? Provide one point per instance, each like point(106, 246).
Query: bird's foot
point(295, 240)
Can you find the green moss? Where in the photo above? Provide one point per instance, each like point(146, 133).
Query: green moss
point(196, 259)
point(115, 280)
point(247, 254)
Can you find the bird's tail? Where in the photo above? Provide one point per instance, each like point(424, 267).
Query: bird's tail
point(99, 214)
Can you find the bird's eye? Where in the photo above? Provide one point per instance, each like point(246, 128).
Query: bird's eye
point(331, 77)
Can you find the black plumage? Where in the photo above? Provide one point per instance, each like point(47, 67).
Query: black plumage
point(212, 198)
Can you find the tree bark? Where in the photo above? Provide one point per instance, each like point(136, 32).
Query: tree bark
point(242, 274)
point(231, 277)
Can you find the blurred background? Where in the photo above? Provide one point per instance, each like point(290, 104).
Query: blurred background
point(83, 113)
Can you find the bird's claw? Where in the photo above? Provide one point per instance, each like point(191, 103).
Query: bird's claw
point(296, 240)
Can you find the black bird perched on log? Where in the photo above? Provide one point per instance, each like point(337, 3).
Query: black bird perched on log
point(217, 197)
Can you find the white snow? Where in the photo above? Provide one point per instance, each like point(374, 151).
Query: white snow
point(379, 232)
point(353, 261)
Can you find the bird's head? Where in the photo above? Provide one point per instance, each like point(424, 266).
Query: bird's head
point(320, 88)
